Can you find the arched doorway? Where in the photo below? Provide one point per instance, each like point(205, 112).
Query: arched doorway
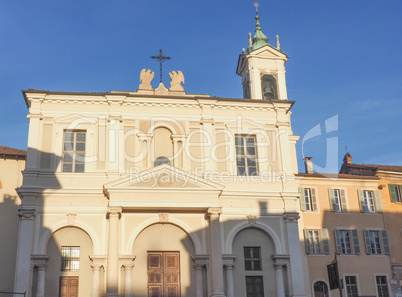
point(69, 265)
point(163, 262)
point(254, 273)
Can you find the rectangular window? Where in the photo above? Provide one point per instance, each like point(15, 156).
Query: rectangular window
point(252, 258)
point(396, 192)
point(308, 199)
point(337, 198)
point(317, 241)
point(370, 201)
point(351, 286)
point(347, 242)
point(254, 286)
point(70, 258)
point(246, 155)
point(382, 285)
point(74, 151)
point(377, 242)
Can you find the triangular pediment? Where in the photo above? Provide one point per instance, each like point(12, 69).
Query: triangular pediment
point(161, 178)
point(76, 119)
point(245, 123)
point(269, 51)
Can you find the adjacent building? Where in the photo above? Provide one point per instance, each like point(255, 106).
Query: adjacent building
point(343, 215)
point(12, 162)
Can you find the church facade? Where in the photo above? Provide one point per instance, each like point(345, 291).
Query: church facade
point(162, 193)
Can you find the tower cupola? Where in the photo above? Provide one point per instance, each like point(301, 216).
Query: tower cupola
point(262, 67)
point(259, 39)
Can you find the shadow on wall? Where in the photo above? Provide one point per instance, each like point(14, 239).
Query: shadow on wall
point(32, 258)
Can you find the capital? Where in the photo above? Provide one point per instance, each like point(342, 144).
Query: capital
point(200, 260)
point(26, 214)
point(291, 217)
point(113, 211)
point(40, 261)
point(213, 212)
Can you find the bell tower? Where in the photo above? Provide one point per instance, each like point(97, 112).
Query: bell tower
point(262, 67)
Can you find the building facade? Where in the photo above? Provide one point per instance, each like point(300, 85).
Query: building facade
point(343, 217)
point(162, 193)
point(390, 187)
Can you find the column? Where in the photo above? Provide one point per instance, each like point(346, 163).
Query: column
point(25, 234)
point(296, 265)
point(216, 252)
point(39, 261)
point(199, 262)
point(229, 281)
point(228, 261)
point(95, 280)
point(127, 261)
point(280, 262)
point(40, 288)
point(128, 276)
point(112, 282)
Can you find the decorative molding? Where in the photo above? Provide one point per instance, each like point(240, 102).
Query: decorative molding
point(71, 219)
point(252, 220)
point(163, 217)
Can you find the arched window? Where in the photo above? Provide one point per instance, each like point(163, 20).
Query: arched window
point(320, 289)
point(161, 160)
point(269, 89)
point(163, 146)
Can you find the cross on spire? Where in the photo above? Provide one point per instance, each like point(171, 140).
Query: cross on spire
point(160, 58)
point(256, 6)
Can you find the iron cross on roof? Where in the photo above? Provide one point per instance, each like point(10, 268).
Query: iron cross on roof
point(160, 58)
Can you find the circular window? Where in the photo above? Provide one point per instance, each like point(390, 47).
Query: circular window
point(161, 160)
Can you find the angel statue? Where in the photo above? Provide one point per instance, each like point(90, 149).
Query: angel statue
point(146, 77)
point(177, 79)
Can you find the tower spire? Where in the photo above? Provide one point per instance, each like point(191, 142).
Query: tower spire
point(259, 39)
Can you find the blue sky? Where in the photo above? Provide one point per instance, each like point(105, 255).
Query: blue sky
point(345, 62)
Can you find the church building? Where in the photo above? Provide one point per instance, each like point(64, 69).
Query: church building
point(161, 193)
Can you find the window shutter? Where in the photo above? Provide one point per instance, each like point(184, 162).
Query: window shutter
point(343, 200)
point(367, 242)
point(356, 245)
point(302, 199)
point(363, 207)
point(338, 242)
point(332, 199)
point(325, 240)
point(307, 240)
point(385, 242)
point(313, 199)
point(392, 191)
point(378, 203)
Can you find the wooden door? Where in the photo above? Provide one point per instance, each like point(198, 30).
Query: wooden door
point(163, 274)
point(68, 286)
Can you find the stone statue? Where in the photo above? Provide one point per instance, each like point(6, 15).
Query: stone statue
point(250, 41)
point(177, 79)
point(146, 77)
